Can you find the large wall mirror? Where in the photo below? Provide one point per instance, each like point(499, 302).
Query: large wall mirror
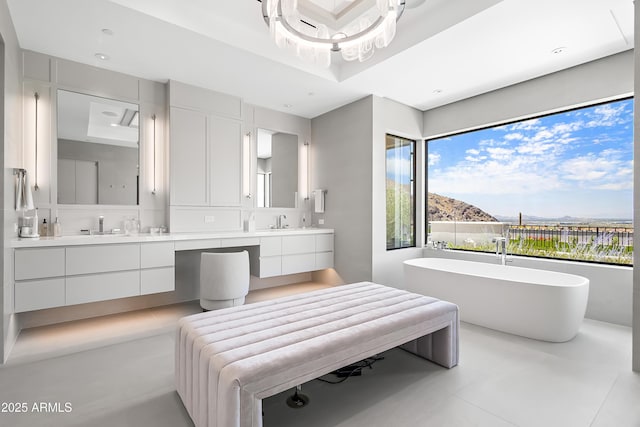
point(277, 171)
point(98, 142)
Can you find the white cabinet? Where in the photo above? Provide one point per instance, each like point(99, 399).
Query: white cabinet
point(38, 263)
point(102, 287)
point(188, 133)
point(102, 258)
point(225, 161)
point(39, 294)
point(39, 279)
point(293, 254)
point(157, 255)
point(157, 272)
point(206, 157)
point(157, 280)
point(54, 277)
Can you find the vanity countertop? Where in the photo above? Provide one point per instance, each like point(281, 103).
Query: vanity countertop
point(75, 240)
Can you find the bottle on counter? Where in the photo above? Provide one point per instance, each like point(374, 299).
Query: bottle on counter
point(44, 228)
point(57, 228)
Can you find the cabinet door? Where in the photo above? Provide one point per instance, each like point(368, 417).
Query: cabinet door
point(102, 258)
point(225, 163)
point(39, 294)
point(102, 287)
point(188, 157)
point(156, 280)
point(38, 263)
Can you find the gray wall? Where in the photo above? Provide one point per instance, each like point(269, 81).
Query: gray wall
point(584, 84)
point(390, 117)
point(11, 116)
point(342, 165)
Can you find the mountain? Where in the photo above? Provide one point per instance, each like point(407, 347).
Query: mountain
point(443, 208)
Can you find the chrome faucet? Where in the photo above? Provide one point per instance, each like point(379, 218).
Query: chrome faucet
point(101, 224)
point(501, 249)
point(279, 223)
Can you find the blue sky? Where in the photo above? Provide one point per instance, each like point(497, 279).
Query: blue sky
point(577, 163)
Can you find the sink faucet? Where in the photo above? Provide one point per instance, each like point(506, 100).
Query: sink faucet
point(101, 224)
point(279, 223)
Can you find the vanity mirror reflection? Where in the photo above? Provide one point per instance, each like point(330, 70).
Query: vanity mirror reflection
point(98, 142)
point(277, 170)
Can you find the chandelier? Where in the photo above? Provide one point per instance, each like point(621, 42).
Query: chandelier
point(312, 29)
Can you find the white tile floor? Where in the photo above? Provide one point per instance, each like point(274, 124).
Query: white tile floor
point(119, 371)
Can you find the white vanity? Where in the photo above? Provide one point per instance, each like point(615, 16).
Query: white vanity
point(54, 272)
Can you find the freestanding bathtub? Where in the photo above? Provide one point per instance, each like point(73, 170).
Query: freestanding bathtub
point(539, 304)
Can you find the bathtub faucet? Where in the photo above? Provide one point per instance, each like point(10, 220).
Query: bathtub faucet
point(501, 249)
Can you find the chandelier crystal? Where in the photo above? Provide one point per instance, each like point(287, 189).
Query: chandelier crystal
point(312, 29)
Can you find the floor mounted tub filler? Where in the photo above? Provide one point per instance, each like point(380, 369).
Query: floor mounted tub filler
point(538, 304)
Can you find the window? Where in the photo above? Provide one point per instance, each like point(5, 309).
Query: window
point(557, 186)
point(401, 190)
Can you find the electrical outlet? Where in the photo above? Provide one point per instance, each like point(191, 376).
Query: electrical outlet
point(208, 219)
point(321, 221)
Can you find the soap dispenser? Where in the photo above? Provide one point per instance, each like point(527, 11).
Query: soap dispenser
point(44, 228)
point(57, 228)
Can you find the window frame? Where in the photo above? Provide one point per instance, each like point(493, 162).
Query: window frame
point(521, 119)
point(413, 143)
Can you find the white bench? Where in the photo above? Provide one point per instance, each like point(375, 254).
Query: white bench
point(228, 360)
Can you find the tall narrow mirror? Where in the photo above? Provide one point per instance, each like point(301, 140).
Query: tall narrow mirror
point(98, 150)
point(277, 172)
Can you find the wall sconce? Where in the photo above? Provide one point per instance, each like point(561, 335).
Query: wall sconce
point(153, 117)
point(306, 153)
point(35, 181)
point(246, 165)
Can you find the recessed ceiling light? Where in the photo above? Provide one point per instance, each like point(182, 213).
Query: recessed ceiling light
point(107, 31)
point(437, 91)
point(287, 105)
point(109, 113)
point(102, 56)
point(559, 50)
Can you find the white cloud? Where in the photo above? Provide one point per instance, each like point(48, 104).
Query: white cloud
point(433, 159)
point(513, 136)
point(473, 151)
point(499, 153)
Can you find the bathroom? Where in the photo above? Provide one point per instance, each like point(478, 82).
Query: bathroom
point(354, 203)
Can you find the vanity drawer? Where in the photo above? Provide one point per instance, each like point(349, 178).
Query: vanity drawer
point(157, 280)
point(298, 244)
point(39, 294)
point(270, 266)
point(298, 263)
point(157, 255)
point(324, 242)
point(38, 263)
point(324, 260)
point(104, 258)
point(100, 287)
point(270, 246)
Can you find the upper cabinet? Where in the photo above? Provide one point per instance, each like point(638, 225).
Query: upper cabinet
point(205, 147)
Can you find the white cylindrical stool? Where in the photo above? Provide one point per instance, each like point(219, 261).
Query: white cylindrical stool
point(224, 279)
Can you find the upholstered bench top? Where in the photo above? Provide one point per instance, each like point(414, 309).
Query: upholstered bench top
point(228, 360)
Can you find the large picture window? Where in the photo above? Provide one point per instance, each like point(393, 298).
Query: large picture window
point(401, 190)
point(557, 186)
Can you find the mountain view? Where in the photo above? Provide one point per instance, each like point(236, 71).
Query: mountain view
point(441, 208)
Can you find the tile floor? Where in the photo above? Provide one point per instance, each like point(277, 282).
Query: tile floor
point(118, 371)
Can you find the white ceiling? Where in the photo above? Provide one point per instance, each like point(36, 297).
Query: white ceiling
point(444, 50)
